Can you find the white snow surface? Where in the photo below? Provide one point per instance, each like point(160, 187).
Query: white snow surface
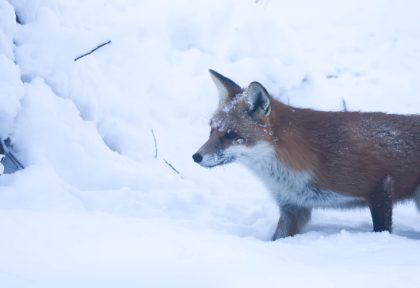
point(94, 207)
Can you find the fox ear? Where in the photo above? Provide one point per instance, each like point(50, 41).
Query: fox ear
point(258, 99)
point(226, 87)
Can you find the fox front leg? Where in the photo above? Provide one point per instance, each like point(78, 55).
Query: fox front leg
point(291, 221)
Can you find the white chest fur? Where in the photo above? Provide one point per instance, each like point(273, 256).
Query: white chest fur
point(288, 186)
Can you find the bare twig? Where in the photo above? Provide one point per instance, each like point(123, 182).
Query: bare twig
point(6, 150)
point(14, 160)
point(166, 162)
point(331, 76)
point(173, 168)
point(344, 105)
point(93, 50)
point(154, 139)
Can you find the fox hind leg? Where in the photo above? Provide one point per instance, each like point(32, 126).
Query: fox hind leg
point(416, 198)
point(380, 205)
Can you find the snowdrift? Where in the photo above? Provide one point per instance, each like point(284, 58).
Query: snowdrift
point(98, 204)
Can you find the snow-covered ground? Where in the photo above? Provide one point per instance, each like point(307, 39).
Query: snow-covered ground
point(95, 208)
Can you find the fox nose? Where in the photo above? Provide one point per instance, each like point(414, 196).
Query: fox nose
point(197, 157)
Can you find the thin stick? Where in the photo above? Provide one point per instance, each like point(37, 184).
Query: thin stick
point(4, 145)
point(331, 76)
point(93, 50)
point(154, 139)
point(172, 167)
point(14, 160)
point(344, 105)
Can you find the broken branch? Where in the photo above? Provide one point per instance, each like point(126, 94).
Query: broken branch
point(344, 105)
point(154, 139)
point(172, 167)
point(93, 50)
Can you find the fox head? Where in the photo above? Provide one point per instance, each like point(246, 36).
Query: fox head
point(238, 126)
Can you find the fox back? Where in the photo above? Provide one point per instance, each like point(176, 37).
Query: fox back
point(309, 159)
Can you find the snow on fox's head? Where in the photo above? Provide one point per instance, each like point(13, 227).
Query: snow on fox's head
point(238, 125)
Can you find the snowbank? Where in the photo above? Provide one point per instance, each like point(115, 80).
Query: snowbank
point(95, 207)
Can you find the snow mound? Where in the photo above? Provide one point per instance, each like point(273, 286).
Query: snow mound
point(100, 204)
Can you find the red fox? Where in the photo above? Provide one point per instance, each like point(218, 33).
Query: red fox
point(315, 159)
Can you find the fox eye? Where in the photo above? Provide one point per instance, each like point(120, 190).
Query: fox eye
point(230, 135)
